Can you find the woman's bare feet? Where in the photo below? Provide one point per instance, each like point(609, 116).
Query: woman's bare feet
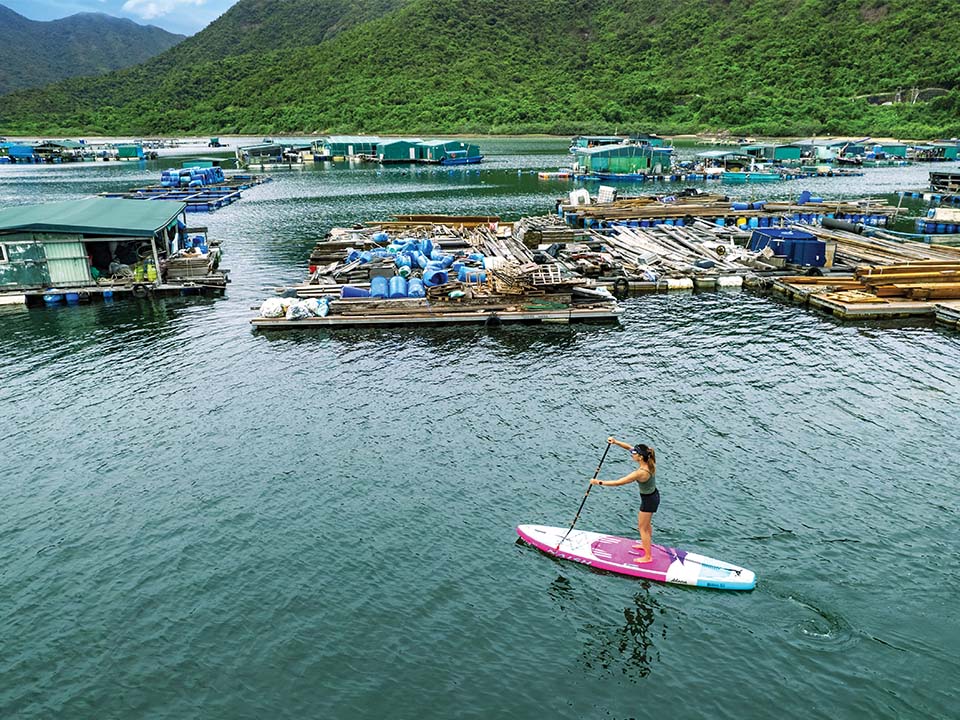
point(643, 560)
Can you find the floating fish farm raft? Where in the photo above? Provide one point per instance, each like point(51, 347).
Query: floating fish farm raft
point(429, 271)
point(197, 196)
point(582, 261)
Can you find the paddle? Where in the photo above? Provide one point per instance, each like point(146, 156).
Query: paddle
point(589, 487)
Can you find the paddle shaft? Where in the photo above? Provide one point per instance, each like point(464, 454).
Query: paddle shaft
point(589, 487)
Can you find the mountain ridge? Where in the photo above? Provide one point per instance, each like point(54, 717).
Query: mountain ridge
point(38, 52)
point(771, 67)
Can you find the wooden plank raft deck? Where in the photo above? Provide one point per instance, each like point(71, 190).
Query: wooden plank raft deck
point(425, 315)
point(840, 298)
point(947, 312)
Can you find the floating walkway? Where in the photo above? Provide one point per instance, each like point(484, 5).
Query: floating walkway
point(363, 313)
point(197, 199)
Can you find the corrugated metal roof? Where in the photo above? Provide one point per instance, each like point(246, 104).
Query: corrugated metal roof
point(394, 141)
point(68, 144)
point(442, 143)
point(93, 216)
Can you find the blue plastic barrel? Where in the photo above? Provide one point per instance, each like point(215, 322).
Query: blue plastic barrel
point(398, 287)
point(941, 228)
point(435, 276)
point(379, 287)
point(415, 288)
point(740, 206)
point(446, 261)
point(471, 275)
point(349, 291)
point(72, 297)
point(52, 298)
point(758, 205)
point(402, 260)
point(380, 237)
point(721, 222)
point(753, 222)
point(426, 246)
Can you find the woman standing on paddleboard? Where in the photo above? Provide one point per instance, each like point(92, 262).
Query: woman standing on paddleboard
point(649, 495)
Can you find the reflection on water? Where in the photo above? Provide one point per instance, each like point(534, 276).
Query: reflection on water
point(626, 648)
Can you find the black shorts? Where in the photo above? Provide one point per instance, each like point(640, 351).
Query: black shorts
point(650, 503)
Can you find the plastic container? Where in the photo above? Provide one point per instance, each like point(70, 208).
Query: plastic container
point(398, 287)
point(349, 291)
point(415, 288)
point(435, 276)
point(471, 275)
point(379, 287)
point(740, 206)
point(52, 298)
point(72, 298)
point(380, 237)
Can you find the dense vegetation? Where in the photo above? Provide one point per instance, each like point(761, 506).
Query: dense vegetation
point(770, 67)
point(34, 54)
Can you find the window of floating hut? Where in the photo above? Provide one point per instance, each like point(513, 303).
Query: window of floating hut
point(352, 145)
point(51, 149)
point(447, 151)
point(771, 152)
point(621, 159)
point(57, 244)
point(130, 152)
point(398, 150)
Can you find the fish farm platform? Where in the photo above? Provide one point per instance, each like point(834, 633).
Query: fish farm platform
point(419, 314)
point(852, 304)
point(197, 199)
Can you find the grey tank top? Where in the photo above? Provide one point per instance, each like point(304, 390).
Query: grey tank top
point(650, 486)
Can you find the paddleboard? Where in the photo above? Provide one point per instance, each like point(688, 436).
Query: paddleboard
point(617, 554)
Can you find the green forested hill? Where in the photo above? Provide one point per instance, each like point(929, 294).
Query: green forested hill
point(34, 53)
point(772, 67)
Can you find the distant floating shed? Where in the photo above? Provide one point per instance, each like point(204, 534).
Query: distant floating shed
point(351, 145)
point(448, 152)
point(774, 152)
point(624, 159)
point(130, 152)
point(398, 150)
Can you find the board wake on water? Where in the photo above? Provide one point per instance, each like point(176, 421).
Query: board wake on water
point(617, 554)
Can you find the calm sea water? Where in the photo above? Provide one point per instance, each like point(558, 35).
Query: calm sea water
point(202, 521)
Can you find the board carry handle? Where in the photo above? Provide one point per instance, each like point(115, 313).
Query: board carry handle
point(589, 487)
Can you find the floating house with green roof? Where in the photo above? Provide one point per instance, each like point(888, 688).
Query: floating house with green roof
point(777, 153)
point(627, 160)
point(105, 247)
point(57, 151)
point(398, 150)
point(934, 152)
point(448, 152)
point(350, 146)
point(130, 152)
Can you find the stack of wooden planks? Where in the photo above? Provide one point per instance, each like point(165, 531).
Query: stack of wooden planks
point(925, 280)
point(921, 280)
